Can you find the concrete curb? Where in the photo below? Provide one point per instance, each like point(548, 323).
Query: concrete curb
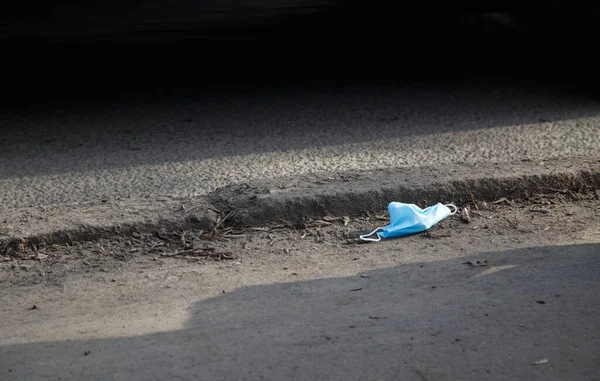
point(294, 200)
point(355, 194)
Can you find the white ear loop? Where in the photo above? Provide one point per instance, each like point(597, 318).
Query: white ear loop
point(364, 236)
point(452, 206)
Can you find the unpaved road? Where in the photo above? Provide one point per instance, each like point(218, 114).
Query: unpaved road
point(190, 144)
point(484, 300)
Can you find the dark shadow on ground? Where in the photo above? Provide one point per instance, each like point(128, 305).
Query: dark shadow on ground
point(425, 321)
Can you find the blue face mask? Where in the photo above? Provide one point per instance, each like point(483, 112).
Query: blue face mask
point(408, 219)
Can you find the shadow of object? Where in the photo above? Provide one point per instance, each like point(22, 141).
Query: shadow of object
point(431, 320)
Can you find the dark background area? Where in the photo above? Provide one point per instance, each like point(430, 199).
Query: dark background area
point(74, 50)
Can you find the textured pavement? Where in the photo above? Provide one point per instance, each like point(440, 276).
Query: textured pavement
point(431, 320)
point(191, 144)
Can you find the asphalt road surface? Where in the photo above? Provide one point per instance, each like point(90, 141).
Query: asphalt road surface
point(532, 315)
point(191, 143)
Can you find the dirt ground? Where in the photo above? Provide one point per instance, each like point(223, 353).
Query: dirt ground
point(531, 221)
point(144, 284)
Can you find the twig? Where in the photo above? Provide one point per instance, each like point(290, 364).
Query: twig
point(512, 223)
point(317, 223)
point(188, 210)
point(474, 202)
point(198, 250)
point(221, 221)
point(544, 211)
point(344, 178)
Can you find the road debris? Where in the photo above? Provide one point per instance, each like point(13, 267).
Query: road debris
point(381, 217)
point(540, 362)
point(199, 250)
point(476, 263)
point(465, 216)
point(319, 223)
point(49, 262)
point(539, 210)
point(502, 200)
point(268, 228)
point(188, 210)
point(219, 223)
point(406, 219)
point(345, 219)
point(514, 225)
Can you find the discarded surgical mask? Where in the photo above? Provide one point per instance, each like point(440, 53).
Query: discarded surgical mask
point(408, 219)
